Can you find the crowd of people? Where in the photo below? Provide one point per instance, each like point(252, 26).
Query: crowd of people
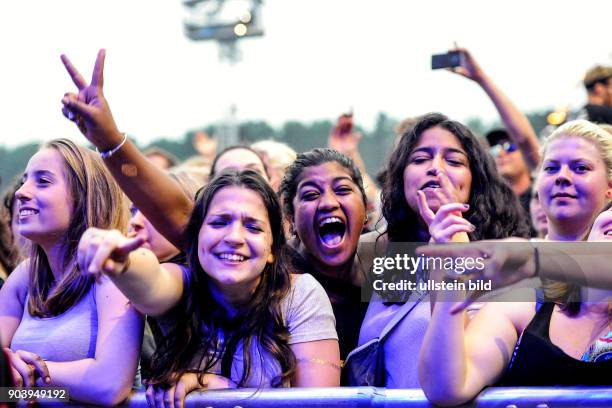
point(252, 268)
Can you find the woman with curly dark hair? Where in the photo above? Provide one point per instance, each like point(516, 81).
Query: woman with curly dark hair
point(236, 317)
point(491, 201)
point(441, 186)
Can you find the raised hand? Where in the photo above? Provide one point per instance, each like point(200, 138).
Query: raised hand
point(469, 68)
point(342, 137)
point(105, 252)
point(447, 223)
point(88, 108)
point(505, 262)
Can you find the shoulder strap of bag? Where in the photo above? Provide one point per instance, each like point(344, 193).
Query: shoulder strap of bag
point(399, 315)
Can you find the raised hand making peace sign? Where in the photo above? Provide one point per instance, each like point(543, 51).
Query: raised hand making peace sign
point(88, 108)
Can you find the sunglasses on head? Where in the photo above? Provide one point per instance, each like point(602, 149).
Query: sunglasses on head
point(507, 147)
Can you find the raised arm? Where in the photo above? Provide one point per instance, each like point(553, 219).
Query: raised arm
point(516, 123)
point(157, 195)
point(345, 140)
point(152, 288)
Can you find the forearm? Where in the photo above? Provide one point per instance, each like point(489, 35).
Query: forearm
point(443, 360)
point(152, 191)
point(516, 123)
point(581, 263)
point(149, 286)
point(90, 381)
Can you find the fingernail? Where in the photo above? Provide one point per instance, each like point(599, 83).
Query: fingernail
point(91, 269)
point(48, 380)
point(466, 206)
point(472, 227)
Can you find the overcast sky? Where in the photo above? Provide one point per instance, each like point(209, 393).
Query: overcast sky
point(316, 59)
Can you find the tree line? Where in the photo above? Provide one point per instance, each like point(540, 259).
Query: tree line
point(375, 145)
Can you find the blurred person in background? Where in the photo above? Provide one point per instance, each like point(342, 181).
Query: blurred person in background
point(598, 84)
point(345, 139)
point(160, 157)
point(538, 216)
point(516, 147)
point(197, 167)
point(13, 246)
point(239, 157)
point(277, 156)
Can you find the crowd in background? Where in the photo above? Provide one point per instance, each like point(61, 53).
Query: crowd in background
point(245, 267)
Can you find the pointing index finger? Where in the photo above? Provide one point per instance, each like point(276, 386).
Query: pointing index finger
point(77, 78)
point(97, 78)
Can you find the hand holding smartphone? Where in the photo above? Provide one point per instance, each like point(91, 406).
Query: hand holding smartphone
point(450, 59)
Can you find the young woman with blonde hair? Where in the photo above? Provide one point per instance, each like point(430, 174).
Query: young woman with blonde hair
point(59, 327)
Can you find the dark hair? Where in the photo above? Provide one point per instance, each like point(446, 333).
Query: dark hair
point(315, 157)
point(9, 253)
point(202, 321)
point(213, 172)
point(494, 208)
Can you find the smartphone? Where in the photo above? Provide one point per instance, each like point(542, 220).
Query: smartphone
point(449, 60)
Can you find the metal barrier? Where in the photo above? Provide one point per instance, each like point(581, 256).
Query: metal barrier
point(365, 397)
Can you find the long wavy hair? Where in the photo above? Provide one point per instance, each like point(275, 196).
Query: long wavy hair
point(97, 201)
point(494, 208)
point(204, 329)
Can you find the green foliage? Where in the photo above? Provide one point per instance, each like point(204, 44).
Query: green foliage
point(251, 132)
point(375, 145)
point(13, 162)
point(182, 149)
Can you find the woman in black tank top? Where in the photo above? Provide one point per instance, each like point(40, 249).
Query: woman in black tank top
point(565, 341)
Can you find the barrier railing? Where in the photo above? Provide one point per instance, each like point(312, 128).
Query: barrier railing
point(364, 397)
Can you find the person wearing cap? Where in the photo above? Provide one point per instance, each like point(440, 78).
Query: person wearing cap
point(598, 84)
point(511, 164)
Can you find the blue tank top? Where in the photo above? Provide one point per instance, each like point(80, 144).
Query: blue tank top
point(69, 336)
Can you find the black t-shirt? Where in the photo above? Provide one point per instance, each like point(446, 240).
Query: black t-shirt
point(598, 113)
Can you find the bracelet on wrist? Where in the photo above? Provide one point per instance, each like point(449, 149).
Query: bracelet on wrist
point(108, 153)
